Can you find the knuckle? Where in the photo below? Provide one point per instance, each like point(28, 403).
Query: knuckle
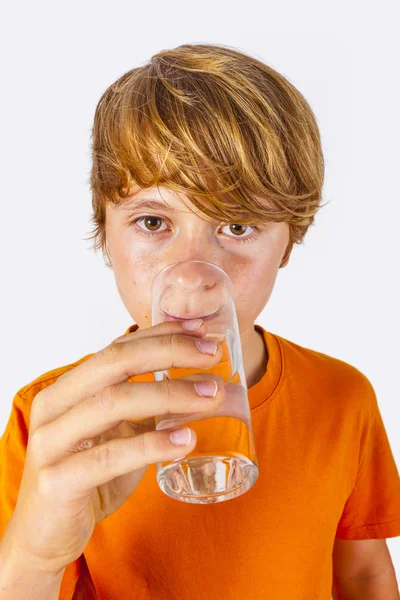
point(166, 394)
point(104, 455)
point(62, 377)
point(117, 353)
point(142, 443)
point(171, 394)
point(47, 481)
point(36, 442)
point(167, 342)
point(170, 344)
point(106, 398)
point(37, 405)
point(112, 352)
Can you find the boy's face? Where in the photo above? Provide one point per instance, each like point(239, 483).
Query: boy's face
point(179, 234)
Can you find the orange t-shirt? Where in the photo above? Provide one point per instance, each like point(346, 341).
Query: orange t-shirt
point(326, 469)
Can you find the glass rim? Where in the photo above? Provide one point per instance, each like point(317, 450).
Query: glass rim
point(205, 262)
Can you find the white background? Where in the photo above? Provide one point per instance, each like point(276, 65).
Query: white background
point(339, 293)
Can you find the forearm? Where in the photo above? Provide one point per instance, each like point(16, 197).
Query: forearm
point(376, 587)
point(16, 581)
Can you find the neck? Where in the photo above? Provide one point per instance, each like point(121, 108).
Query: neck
point(255, 355)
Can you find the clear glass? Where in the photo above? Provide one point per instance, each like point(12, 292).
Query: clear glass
point(223, 464)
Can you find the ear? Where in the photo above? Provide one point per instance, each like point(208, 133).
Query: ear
point(287, 253)
point(107, 257)
point(285, 258)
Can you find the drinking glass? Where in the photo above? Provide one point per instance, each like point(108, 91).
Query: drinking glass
point(223, 464)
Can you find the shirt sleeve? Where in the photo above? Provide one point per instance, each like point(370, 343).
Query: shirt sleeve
point(13, 444)
point(372, 511)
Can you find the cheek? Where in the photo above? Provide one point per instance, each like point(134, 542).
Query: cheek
point(134, 275)
point(253, 277)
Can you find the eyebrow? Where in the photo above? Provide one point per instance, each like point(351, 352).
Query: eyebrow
point(146, 203)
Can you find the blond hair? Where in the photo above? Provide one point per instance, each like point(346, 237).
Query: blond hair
point(217, 125)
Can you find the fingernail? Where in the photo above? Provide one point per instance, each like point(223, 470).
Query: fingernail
point(193, 324)
point(207, 346)
point(206, 388)
point(181, 436)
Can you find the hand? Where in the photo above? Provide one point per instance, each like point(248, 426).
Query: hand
point(84, 458)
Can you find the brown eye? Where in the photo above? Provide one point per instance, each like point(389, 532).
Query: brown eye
point(238, 227)
point(151, 222)
point(238, 231)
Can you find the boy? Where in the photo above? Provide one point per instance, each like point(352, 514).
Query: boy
point(203, 153)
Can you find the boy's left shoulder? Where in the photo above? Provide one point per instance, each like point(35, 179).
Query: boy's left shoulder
point(327, 375)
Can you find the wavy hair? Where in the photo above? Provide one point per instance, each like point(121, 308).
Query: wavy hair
point(217, 125)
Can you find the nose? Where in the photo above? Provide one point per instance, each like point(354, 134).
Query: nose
point(193, 277)
point(192, 289)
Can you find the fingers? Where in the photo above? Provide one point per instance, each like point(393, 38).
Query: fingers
point(161, 329)
point(91, 468)
point(114, 404)
point(172, 346)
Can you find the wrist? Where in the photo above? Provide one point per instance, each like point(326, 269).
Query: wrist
point(19, 579)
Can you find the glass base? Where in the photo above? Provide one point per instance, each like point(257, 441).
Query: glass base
point(207, 479)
